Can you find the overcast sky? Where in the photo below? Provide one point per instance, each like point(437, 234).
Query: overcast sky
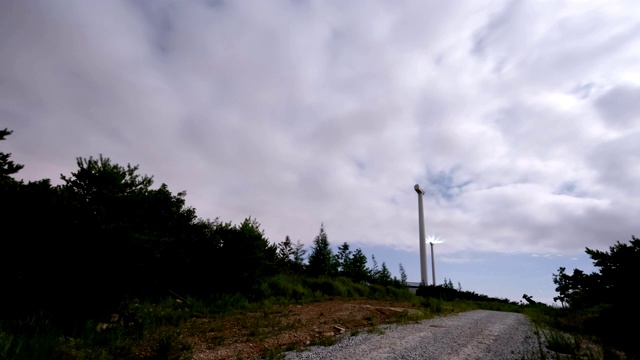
point(520, 119)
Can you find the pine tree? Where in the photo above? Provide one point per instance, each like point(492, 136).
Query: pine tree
point(321, 259)
point(290, 257)
point(7, 167)
point(384, 275)
point(373, 272)
point(298, 255)
point(285, 252)
point(357, 267)
point(403, 276)
point(343, 257)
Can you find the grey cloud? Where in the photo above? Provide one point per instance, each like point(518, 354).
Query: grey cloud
point(555, 45)
point(620, 107)
point(616, 164)
point(310, 112)
point(496, 28)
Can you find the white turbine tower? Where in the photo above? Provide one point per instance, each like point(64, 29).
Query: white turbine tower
point(423, 245)
point(433, 240)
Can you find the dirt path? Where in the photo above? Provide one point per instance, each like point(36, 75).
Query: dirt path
point(478, 334)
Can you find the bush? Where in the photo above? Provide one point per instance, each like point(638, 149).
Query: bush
point(289, 287)
point(327, 286)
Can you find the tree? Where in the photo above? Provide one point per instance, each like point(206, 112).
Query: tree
point(128, 237)
point(448, 284)
point(32, 240)
point(107, 229)
point(618, 268)
point(104, 227)
point(285, 252)
point(610, 292)
point(298, 255)
point(98, 181)
point(321, 259)
point(357, 267)
point(373, 272)
point(343, 258)
point(7, 167)
point(403, 276)
point(384, 275)
point(290, 256)
point(11, 204)
point(247, 257)
point(380, 275)
point(562, 300)
point(578, 289)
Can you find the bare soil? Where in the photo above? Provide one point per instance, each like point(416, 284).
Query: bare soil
point(252, 335)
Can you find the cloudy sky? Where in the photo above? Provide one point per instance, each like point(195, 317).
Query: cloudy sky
point(520, 119)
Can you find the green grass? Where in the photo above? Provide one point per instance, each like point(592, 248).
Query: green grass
point(137, 324)
point(562, 343)
point(565, 334)
point(325, 340)
point(274, 354)
point(375, 330)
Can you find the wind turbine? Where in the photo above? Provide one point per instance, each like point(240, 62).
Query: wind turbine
point(433, 240)
point(423, 246)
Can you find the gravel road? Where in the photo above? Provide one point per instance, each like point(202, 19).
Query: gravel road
point(478, 334)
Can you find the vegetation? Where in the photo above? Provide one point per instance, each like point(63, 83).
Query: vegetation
point(601, 303)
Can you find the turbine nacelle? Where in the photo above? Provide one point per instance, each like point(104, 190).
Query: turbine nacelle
point(434, 240)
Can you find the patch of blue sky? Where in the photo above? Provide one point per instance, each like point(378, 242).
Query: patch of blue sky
point(569, 188)
point(360, 165)
point(444, 184)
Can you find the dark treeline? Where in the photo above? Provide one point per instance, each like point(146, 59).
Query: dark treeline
point(447, 292)
point(75, 250)
point(605, 299)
